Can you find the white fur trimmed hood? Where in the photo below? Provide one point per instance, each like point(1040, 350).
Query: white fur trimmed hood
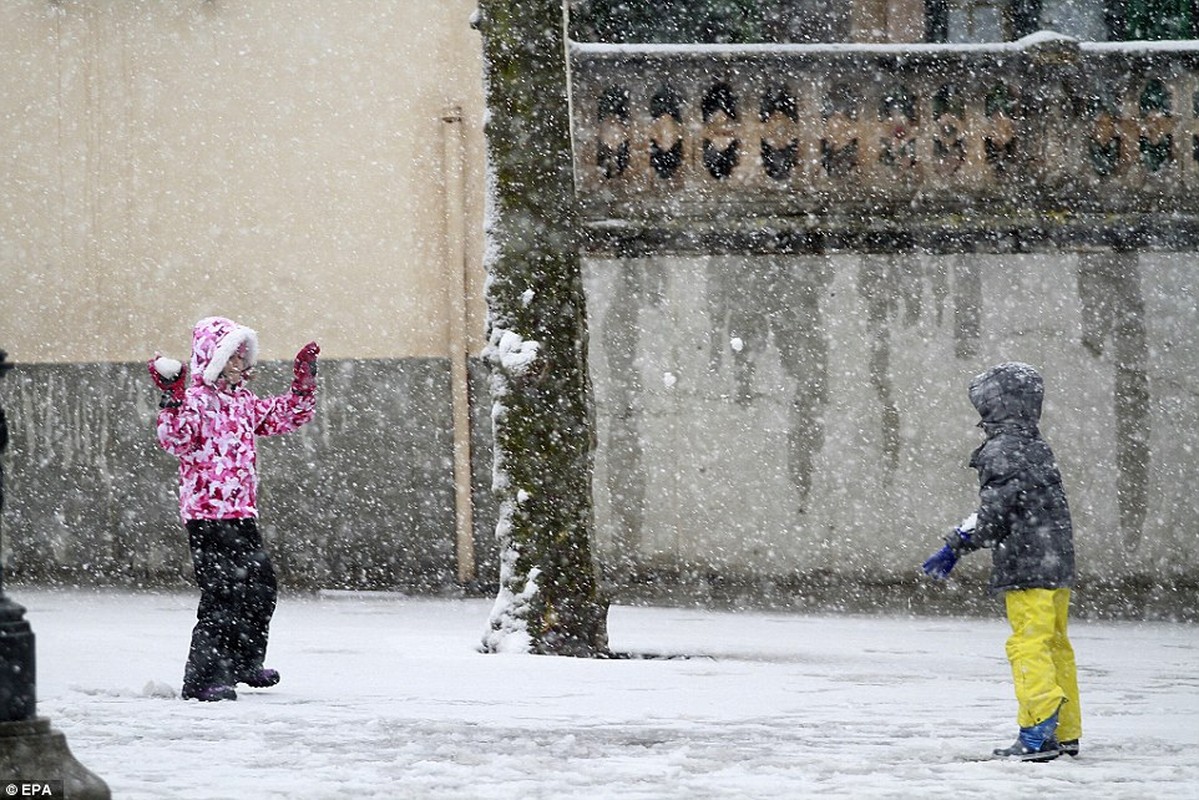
point(214, 341)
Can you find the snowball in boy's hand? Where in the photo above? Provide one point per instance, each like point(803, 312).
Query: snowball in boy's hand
point(168, 368)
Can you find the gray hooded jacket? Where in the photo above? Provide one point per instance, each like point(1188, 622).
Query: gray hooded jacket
point(1023, 517)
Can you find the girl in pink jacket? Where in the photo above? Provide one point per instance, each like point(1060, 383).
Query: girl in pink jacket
point(211, 427)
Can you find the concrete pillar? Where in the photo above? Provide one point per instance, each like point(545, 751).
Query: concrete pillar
point(868, 21)
point(905, 21)
point(887, 21)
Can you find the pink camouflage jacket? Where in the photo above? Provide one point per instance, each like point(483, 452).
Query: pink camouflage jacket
point(213, 432)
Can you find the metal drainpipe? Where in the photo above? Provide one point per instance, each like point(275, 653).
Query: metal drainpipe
point(455, 260)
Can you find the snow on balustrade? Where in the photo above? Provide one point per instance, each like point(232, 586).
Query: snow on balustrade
point(1043, 125)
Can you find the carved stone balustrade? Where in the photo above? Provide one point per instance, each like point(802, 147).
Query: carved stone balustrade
point(1033, 144)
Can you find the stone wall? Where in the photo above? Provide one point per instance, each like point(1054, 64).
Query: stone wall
point(362, 498)
point(799, 255)
point(771, 419)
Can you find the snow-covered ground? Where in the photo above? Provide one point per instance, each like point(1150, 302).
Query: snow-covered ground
point(386, 697)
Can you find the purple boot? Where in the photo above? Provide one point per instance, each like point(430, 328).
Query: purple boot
point(210, 694)
point(260, 678)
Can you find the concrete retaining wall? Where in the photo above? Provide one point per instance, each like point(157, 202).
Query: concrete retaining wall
point(361, 498)
point(782, 418)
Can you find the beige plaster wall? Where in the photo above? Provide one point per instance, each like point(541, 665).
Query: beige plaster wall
point(283, 162)
point(887, 20)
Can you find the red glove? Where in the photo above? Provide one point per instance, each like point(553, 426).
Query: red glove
point(170, 376)
point(304, 369)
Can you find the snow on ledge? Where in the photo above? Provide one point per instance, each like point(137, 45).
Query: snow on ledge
point(1030, 42)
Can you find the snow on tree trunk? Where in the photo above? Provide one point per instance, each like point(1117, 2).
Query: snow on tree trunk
point(549, 600)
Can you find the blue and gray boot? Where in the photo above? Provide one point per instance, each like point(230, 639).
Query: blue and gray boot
point(1036, 743)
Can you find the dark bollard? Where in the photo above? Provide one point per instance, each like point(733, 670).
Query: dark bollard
point(18, 696)
point(30, 751)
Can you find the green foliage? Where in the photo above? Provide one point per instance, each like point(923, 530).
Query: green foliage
point(1159, 19)
point(702, 21)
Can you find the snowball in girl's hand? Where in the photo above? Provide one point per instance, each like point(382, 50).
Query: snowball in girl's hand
point(168, 368)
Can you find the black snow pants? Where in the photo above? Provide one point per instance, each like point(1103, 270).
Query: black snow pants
point(237, 599)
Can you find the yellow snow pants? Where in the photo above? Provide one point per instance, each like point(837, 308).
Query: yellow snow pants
point(1042, 659)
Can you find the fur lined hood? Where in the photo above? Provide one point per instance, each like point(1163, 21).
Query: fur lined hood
point(214, 341)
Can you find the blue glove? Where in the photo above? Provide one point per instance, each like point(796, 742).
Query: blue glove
point(941, 563)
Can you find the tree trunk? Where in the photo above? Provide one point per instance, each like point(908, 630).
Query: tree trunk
point(549, 600)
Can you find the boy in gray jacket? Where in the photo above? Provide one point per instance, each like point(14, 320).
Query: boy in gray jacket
point(1024, 520)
